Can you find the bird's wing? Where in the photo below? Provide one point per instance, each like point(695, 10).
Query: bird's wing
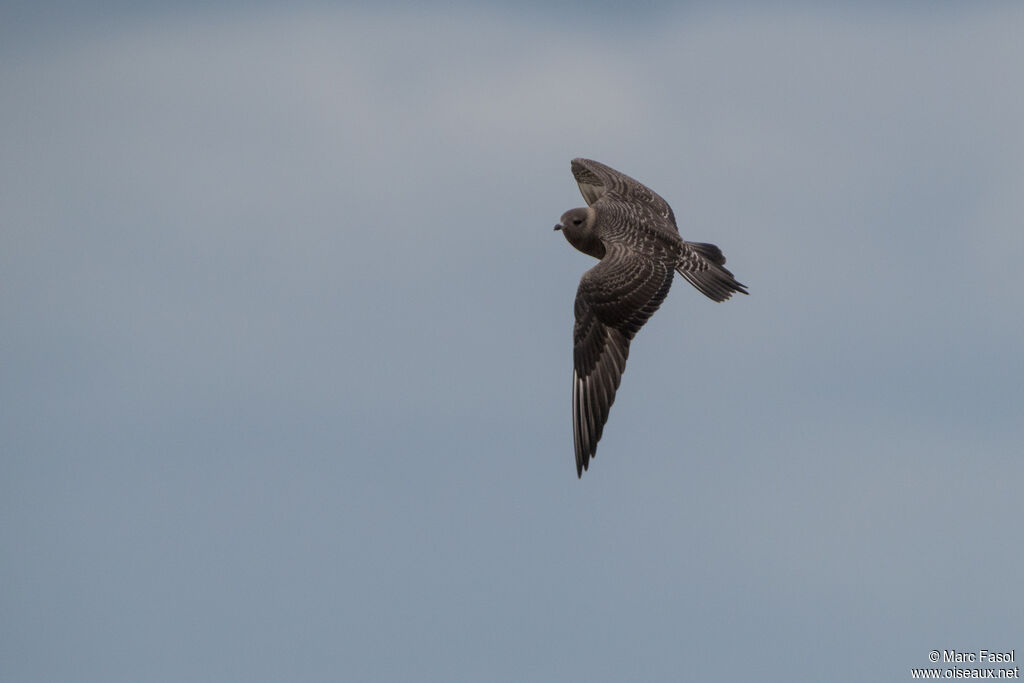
point(600, 183)
point(615, 298)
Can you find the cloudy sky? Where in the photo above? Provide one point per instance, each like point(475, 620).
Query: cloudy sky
point(285, 353)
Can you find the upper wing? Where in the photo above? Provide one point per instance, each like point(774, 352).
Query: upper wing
point(602, 183)
point(615, 298)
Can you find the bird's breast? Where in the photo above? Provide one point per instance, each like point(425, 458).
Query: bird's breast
point(587, 243)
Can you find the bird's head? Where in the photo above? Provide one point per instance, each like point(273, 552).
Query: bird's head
point(573, 220)
point(578, 227)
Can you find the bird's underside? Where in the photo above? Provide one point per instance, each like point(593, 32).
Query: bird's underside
point(633, 232)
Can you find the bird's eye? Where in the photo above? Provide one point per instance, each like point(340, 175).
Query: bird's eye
point(577, 221)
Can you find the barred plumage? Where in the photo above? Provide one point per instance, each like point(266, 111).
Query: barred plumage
point(633, 232)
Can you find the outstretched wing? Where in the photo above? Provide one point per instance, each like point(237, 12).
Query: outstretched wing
point(602, 183)
point(615, 298)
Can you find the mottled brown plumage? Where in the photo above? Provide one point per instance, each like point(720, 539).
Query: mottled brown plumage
point(633, 232)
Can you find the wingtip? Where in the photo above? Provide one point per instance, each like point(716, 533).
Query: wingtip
point(580, 163)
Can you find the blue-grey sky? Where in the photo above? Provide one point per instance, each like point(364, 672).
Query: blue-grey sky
point(285, 354)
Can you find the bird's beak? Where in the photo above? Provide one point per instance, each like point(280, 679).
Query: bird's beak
point(558, 227)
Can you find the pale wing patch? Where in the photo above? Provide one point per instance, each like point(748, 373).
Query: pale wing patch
point(591, 192)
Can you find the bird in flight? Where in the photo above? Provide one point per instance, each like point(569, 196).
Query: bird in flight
point(632, 231)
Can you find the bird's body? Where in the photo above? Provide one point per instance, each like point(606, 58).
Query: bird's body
point(633, 232)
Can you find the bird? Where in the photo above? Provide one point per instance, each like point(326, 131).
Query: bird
point(632, 231)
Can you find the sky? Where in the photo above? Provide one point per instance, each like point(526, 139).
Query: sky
point(285, 343)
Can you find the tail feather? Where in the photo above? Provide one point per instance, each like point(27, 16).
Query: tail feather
point(703, 266)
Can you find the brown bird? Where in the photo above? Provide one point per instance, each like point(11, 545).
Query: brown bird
point(633, 232)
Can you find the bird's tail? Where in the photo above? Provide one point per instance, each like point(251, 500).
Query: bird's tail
point(703, 266)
